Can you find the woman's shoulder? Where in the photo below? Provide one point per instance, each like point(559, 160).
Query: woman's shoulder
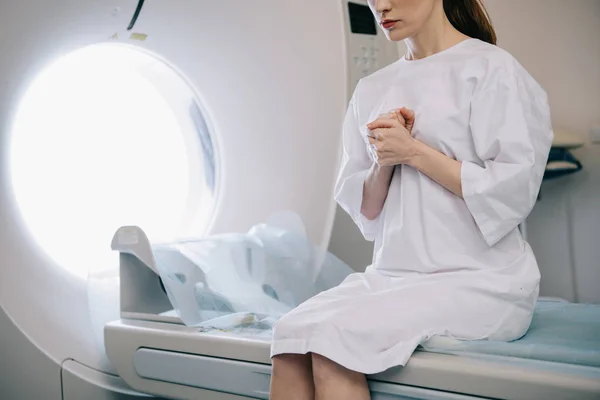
point(382, 76)
point(495, 65)
point(487, 52)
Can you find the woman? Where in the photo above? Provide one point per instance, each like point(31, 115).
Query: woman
point(444, 153)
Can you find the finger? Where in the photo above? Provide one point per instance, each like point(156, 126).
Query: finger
point(398, 115)
point(379, 134)
point(409, 117)
point(381, 123)
point(407, 114)
point(373, 135)
point(376, 145)
point(389, 115)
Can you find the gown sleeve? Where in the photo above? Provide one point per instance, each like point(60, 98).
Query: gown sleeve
point(354, 169)
point(512, 134)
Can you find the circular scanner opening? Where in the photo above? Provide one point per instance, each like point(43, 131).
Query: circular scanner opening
point(108, 136)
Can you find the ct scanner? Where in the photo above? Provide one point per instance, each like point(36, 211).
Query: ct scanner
point(246, 99)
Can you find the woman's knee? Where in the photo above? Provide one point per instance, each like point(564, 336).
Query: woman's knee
point(291, 377)
point(323, 368)
point(292, 364)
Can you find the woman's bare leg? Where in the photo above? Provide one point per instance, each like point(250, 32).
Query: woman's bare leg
point(292, 377)
point(334, 382)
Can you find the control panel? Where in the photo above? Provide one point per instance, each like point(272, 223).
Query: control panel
point(368, 49)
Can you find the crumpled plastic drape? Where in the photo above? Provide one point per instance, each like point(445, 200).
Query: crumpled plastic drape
point(267, 271)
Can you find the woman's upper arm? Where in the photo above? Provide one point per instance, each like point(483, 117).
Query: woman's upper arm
point(355, 167)
point(512, 135)
point(354, 144)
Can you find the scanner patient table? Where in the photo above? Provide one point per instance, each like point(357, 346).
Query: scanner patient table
point(559, 357)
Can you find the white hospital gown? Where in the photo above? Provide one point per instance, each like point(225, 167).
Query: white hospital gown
point(442, 266)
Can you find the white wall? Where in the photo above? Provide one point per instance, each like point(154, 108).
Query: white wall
point(558, 42)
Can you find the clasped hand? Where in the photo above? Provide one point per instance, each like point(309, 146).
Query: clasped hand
point(390, 136)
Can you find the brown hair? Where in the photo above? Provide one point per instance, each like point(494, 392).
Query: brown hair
point(470, 18)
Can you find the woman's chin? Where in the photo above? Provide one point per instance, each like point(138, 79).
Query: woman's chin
point(396, 34)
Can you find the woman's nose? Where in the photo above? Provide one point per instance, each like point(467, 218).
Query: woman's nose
point(381, 6)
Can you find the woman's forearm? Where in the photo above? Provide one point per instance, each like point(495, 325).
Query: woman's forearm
point(438, 166)
point(375, 190)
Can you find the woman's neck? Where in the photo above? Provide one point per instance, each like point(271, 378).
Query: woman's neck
point(436, 35)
